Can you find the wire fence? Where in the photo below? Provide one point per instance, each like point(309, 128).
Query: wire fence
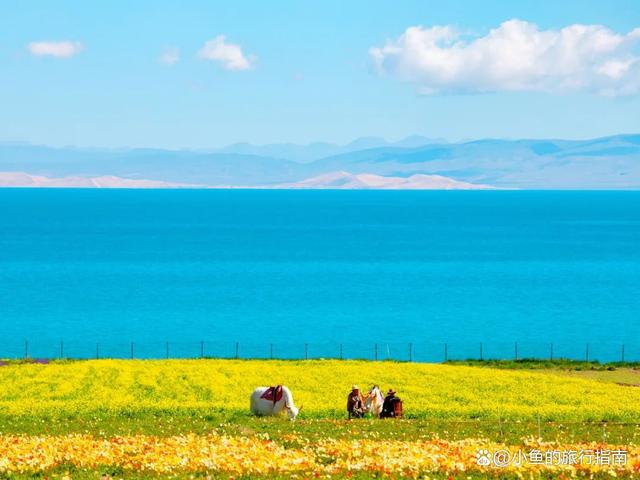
point(426, 352)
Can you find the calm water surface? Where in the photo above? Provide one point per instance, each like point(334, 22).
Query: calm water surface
point(319, 267)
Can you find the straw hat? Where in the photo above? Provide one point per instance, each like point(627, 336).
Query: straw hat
point(354, 387)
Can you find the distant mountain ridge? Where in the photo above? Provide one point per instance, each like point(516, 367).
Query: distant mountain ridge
point(367, 181)
point(601, 163)
point(317, 150)
point(21, 179)
point(178, 166)
point(609, 162)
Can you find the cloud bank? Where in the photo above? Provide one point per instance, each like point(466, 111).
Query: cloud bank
point(65, 49)
point(516, 56)
point(229, 55)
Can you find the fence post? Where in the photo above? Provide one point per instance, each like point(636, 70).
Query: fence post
point(411, 352)
point(61, 349)
point(481, 356)
point(375, 353)
point(306, 351)
point(516, 352)
point(587, 353)
point(622, 353)
point(201, 348)
point(341, 357)
point(97, 351)
point(131, 350)
point(26, 349)
point(237, 349)
point(167, 351)
point(551, 352)
point(446, 354)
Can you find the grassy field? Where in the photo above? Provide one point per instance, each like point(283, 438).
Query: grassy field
point(451, 411)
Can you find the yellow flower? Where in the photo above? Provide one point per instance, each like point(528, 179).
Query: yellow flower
point(199, 386)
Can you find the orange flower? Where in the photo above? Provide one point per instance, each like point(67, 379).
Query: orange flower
point(247, 456)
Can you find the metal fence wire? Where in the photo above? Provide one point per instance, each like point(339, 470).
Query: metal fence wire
point(426, 352)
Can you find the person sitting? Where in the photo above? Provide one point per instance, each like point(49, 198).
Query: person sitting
point(355, 403)
point(392, 406)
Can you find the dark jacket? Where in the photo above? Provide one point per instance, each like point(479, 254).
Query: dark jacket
point(389, 406)
point(355, 402)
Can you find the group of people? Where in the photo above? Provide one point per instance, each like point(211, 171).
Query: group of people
point(358, 405)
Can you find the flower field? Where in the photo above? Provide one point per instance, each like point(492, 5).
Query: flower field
point(253, 457)
point(428, 390)
point(185, 418)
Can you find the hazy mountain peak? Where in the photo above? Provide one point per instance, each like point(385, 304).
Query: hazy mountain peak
point(414, 141)
point(366, 142)
point(21, 179)
point(368, 181)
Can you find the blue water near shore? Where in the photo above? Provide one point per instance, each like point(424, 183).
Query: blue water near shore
point(320, 267)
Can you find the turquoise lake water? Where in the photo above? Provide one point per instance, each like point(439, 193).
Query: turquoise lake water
point(275, 270)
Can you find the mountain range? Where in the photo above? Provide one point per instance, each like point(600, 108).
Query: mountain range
point(318, 150)
point(602, 163)
point(369, 181)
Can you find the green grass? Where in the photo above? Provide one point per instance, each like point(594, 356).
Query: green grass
point(173, 423)
point(539, 364)
point(64, 473)
point(629, 377)
point(620, 373)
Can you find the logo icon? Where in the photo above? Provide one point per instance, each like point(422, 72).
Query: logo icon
point(483, 457)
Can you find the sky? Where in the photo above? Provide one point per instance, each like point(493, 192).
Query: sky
point(203, 74)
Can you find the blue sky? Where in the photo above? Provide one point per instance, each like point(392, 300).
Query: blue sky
point(91, 73)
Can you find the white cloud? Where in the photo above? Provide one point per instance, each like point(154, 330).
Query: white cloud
point(229, 55)
point(170, 56)
point(65, 49)
point(516, 56)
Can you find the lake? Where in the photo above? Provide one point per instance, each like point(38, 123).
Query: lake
point(373, 271)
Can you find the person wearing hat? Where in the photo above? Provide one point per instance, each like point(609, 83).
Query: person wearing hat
point(392, 406)
point(355, 403)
